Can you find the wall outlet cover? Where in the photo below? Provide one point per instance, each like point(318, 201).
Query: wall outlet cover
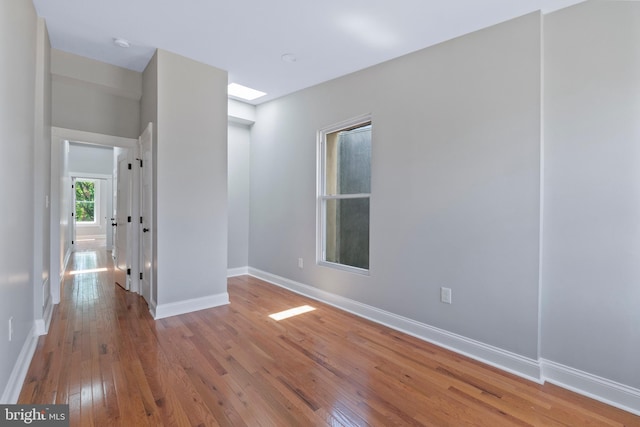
point(445, 295)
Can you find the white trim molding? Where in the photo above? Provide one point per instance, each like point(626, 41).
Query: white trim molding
point(152, 308)
point(240, 271)
point(187, 306)
point(598, 388)
point(42, 325)
point(93, 138)
point(540, 371)
point(65, 263)
point(58, 137)
point(19, 373)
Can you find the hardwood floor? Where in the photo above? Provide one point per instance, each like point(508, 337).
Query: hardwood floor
point(91, 243)
point(235, 366)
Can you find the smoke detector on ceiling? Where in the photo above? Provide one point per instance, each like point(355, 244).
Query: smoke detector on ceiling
point(289, 57)
point(121, 43)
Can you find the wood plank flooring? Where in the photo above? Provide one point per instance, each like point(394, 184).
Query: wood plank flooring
point(235, 366)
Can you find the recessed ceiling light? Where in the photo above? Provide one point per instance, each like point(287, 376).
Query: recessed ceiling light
point(289, 57)
point(121, 43)
point(239, 91)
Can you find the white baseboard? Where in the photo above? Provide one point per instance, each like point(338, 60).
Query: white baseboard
point(494, 356)
point(19, 372)
point(598, 388)
point(187, 306)
point(152, 309)
point(232, 272)
point(42, 325)
point(55, 288)
point(65, 263)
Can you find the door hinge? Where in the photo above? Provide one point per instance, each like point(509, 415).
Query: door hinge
point(72, 214)
point(140, 276)
point(72, 242)
point(128, 272)
point(140, 162)
point(128, 219)
point(140, 220)
point(129, 166)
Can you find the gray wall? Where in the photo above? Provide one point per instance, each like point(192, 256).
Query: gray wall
point(42, 174)
point(18, 30)
point(591, 240)
point(455, 184)
point(149, 114)
point(239, 158)
point(93, 96)
point(90, 159)
point(191, 172)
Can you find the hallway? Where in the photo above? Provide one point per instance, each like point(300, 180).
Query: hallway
point(82, 361)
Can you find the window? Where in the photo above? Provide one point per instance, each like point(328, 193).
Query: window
point(86, 200)
point(344, 193)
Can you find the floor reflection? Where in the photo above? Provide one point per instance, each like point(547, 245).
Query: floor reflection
point(89, 243)
point(88, 271)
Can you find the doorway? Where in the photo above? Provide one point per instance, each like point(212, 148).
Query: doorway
point(65, 230)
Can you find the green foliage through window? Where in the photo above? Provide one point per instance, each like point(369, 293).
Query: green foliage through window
point(85, 201)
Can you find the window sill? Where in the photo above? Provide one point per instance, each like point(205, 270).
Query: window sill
point(342, 267)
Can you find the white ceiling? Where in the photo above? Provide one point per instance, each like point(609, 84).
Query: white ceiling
point(330, 38)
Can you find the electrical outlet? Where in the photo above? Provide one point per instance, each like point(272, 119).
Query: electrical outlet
point(10, 328)
point(300, 263)
point(445, 295)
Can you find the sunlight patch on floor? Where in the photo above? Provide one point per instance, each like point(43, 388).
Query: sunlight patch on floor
point(91, 270)
point(291, 312)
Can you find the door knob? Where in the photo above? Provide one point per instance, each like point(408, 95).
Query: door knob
point(144, 230)
point(113, 224)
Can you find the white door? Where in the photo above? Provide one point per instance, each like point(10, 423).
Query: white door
point(72, 224)
point(114, 207)
point(146, 212)
point(122, 221)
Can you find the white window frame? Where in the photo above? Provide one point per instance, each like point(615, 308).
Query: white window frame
point(322, 197)
point(96, 201)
